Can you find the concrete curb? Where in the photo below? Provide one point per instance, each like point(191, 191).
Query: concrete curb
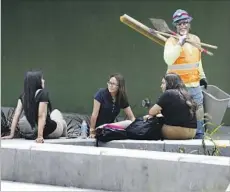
point(17, 186)
point(113, 169)
point(181, 146)
point(228, 189)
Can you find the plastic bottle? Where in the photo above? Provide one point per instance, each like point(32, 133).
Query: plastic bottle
point(84, 129)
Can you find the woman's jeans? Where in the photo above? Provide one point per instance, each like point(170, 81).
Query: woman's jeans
point(197, 95)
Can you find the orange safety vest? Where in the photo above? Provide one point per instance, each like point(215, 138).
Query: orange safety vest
point(187, 64)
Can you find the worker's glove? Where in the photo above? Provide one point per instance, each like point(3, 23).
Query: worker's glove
point(182, 39)
point(204, 82)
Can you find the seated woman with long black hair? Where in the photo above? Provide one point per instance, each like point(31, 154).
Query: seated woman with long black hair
point(177, 107)
point(37, 109)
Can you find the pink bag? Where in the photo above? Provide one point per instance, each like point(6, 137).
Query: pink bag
point(111, 126)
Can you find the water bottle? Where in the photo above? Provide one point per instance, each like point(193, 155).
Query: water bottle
point(84, 129)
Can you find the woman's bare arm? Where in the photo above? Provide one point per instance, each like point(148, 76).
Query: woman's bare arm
point(156, 109)
point(42, 113)
point(93, 120)
point(128, 111)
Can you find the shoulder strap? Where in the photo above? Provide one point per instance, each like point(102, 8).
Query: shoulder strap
point(37, 92)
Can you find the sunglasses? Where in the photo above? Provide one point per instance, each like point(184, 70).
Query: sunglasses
point(183, 22)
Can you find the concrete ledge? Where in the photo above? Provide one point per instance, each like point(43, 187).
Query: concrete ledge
point(176, 146)
point(181, 146)
point(113, 169)
point(228, 189)
point(17, 186)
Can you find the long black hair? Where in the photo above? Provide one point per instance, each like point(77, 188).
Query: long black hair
point(173, 81)
point(121, 94)
point(32, 82)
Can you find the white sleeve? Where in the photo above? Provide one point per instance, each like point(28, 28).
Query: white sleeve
point(171, 52)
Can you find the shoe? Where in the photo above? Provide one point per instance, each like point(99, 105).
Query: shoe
point(199, 136)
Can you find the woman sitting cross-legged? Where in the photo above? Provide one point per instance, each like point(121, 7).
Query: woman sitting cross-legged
point(37, 108)
point(177, 108)
point(107, 104)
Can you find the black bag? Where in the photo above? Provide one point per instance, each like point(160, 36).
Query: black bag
point(4, 124)
point(30, 135)
point(107, 134)
point(74, 122)
point(6, 121)
point(145, 130)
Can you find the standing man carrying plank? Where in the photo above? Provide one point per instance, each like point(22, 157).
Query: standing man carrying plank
point(185, 60)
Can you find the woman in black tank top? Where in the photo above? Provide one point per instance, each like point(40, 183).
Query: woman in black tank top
point(37, 109)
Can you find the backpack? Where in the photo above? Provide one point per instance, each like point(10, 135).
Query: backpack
point(4, 125)
point(32, 135)
point(74, 122)
point(109, 133)
point(6, 121)
point(145, 130)
point(26, 131)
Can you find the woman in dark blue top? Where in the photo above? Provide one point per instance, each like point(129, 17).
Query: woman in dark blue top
point(108, 102)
